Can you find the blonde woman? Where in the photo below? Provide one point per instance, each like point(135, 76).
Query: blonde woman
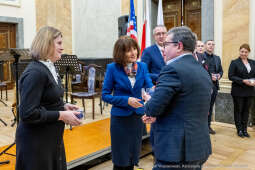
point(43, 114)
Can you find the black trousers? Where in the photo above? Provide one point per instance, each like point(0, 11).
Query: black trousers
point(213, 98)
point(241, 111)
point(123, 168)
point(191, 165)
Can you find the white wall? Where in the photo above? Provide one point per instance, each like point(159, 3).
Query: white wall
point(95, 27)
point(25, 10)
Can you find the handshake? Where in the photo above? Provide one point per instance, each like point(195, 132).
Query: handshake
point(148, 119)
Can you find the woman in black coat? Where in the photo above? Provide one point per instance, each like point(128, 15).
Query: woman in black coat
point(242, 73)
point(43, 114)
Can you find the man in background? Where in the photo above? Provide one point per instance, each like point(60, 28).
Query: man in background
point(215, 70)
point(153, 55)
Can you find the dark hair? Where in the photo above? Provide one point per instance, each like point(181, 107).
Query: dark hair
point(208, 40)
point(123, 45)
point(245, 46)
point(186, 36)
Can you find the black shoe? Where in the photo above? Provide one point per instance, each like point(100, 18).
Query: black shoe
point(240, 134)
point(211, 131)
point(246, 134)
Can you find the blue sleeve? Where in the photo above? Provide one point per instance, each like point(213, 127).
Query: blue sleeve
point(154, 77)
point(220, 67)
point(146, 58)
point(148, 82)
point(168, 85)
point(108, 89)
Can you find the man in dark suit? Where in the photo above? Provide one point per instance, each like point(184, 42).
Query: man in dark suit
point(152, 55)
point(180, 105)
point(216, 72)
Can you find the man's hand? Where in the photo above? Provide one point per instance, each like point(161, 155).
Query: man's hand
point(148, 119)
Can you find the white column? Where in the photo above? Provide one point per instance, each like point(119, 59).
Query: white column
point(252, 29)
point(218, 27)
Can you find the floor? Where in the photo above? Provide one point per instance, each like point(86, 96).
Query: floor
point(229, 150)
point(7, 133)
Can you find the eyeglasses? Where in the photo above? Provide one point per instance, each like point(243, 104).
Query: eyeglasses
point(160, 33)
point(166, 43)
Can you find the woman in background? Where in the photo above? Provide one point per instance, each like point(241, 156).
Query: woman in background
point(43, 114)
point(242, 73)
point(123, 82)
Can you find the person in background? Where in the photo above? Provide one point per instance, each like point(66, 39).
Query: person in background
point(43, 114)
point(242, 74)
point(153, 55)
point(213, 63)
point(123, 83)
point(181, 135)
point(200, 47)
point(252, 113)
point(199, 52)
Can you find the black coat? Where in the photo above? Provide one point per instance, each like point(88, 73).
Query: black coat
point(237, 73)
point(39, 136)
point(218, 67)
point(180, 103)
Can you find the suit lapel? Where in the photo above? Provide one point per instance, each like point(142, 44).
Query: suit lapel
point(125, 77)
point(243, 66)
point(157, 52)
point(50, 75)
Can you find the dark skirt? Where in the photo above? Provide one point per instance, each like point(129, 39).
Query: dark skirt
point(126, 139)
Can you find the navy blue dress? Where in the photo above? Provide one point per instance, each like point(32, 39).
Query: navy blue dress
point(39, 136)
point(126, 124)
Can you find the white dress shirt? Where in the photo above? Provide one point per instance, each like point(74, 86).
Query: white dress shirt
point(49, 64)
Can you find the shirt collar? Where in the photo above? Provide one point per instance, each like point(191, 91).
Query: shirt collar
point(48, 62)
point(176, 58)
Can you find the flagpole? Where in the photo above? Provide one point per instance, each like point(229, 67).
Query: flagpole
point(182, 23)
point(160, 18)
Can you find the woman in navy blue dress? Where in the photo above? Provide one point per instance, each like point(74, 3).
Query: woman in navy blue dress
point(124, 79)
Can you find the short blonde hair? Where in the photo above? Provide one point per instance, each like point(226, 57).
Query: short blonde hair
point(43, 44)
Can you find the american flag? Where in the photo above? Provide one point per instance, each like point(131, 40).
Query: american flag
point(132, 29)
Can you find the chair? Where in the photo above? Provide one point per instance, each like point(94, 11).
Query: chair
point(90, 83)
point(3, 85)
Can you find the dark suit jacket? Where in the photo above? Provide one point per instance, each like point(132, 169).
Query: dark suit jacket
point(237, 73)
point(180, 104)
point(154, 60)
point(117, 88)
point(39, 136)
point(219, 69)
